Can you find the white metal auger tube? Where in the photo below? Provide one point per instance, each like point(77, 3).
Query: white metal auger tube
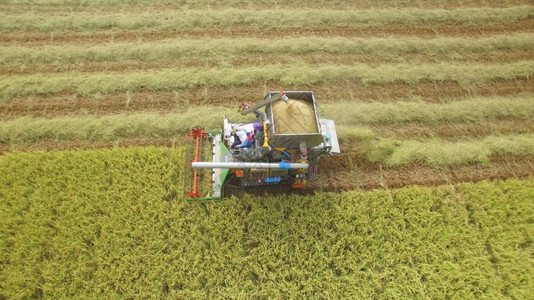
point(249, 165)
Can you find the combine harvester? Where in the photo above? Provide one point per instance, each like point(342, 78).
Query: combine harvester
point(278, 150)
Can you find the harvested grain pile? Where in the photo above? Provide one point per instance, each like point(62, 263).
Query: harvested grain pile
point(294, 117)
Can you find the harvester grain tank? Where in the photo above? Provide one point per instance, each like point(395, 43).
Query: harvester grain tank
point(278, 148)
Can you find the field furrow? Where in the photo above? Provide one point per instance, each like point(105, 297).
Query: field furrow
point(353, 171)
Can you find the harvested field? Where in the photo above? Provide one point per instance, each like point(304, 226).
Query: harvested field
point(354, 172)
point(442, 71)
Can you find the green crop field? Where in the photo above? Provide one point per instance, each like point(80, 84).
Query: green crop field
point(431, 197)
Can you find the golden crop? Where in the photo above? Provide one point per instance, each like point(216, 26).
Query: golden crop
point(112, 223)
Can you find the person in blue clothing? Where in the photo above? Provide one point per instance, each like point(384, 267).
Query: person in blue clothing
point(243, 139)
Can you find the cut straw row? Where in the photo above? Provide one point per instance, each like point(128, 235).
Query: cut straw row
point(95, 84)
point(221, 49)
point(283, 18)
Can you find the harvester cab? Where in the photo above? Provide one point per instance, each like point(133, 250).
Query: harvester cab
point(277, 150)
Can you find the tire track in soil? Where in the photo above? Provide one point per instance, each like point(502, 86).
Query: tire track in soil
point(420, 30)
point(72, 105)
point(503, 56)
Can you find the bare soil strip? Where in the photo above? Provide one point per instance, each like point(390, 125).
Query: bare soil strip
point(71, 105)
point(420, 30)
point(346, 172)
point(505, 56)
